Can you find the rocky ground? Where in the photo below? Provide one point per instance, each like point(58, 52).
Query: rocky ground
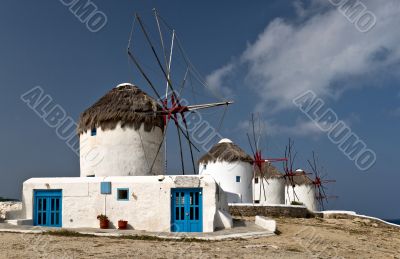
point(298, 238)
point(8, 206)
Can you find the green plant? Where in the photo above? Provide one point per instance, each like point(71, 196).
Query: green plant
point(102, 217)
point(296, 203)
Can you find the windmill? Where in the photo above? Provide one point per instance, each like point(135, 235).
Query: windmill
point(292, 176)
point(289, 174)
point(173, 107)
point(261, 165)
point(319, 182)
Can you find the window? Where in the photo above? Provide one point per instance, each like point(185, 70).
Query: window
point(105, 188)
point(256, 180)
point(204, 167)
point(93, 132)
point(238, 179)
point(123, 194)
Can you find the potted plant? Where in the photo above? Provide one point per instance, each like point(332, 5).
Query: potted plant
point(104, 222)
point(122, 224)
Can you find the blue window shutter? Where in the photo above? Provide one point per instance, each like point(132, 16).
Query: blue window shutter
point(93, 132)
point(105, 188)
point(238, 179)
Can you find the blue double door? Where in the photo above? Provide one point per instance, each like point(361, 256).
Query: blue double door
point(186, 210)
point(47, 208)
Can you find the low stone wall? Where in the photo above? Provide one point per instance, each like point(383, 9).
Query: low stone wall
point(250, 210)
point(8, 206)
point(361, 219)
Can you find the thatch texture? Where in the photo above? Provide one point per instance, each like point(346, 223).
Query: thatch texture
point(228, 152)
point(124, 105)
point(269, 171)
point(299, 180)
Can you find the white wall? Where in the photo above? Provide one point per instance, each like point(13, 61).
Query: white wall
point(225, 175)
point(148, 208)
point(121, 152)
point(305, 194)
point(274, 191)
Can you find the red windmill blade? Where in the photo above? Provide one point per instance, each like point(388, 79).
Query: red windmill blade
point(288, 165)
point(259, 162)
point(319, 182)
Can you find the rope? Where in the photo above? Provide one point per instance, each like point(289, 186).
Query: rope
point(196, 73)
point(131, 33)
point(222, 118)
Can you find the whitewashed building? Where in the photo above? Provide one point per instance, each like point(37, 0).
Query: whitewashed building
point(269, 187)
point(301, 189)
point(151, 203)
point(119, 137)
point(231, 168)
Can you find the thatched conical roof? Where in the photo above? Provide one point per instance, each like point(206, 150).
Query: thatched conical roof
point(225, 151)
point(269, 171)
point(122, 105)
point(302, 179)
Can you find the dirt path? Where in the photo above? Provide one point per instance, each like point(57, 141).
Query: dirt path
point(299, 238)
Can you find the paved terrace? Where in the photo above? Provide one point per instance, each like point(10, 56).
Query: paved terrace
point(241, 230)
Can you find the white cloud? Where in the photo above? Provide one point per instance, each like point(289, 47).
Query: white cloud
point(395, 112)
point(216, 82)
point(300, 128)
point(318, 53)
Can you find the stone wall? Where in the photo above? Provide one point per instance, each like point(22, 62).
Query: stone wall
point(249, 210)
point(8, 206)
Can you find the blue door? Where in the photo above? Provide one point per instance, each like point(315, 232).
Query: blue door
point(186, 210)
point(47, 208)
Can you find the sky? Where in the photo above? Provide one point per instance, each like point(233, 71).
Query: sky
point(260, 54)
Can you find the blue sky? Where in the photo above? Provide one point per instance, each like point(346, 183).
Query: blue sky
point(259, 53)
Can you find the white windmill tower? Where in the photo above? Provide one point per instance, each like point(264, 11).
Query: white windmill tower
point(231, 168)
point(118, 138)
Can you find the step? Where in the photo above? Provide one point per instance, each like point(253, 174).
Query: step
point(19, 222)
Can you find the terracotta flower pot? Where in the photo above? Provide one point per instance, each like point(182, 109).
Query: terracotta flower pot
point(104, 223)
point(122, 224)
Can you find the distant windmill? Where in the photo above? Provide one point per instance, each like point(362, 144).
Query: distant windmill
point(264, 172)
point(319, 183)
point(289, 172)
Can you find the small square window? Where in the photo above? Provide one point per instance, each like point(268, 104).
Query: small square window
point(256, 180)
point(93, 132)
point(204, 167)
point(123, 194)
point(238, 179)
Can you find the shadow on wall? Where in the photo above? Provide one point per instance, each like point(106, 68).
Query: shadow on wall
point(233, 197)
